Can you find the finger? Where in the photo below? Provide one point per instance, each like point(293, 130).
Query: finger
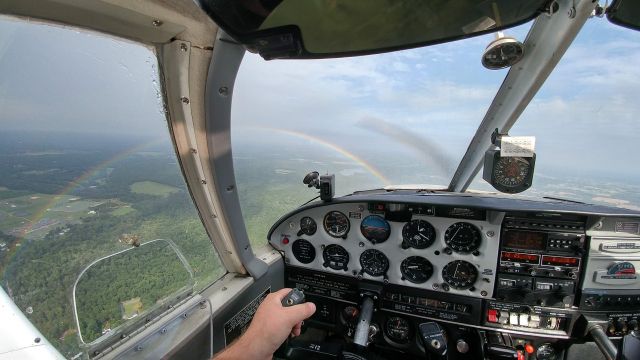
point(296, 329)
point(296, 332)
point(297, 313)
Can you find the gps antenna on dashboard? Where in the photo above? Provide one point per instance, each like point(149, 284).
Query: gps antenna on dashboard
point(325, 183)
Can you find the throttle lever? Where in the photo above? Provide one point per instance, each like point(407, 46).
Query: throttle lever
point(294, 297)
point(433, 338)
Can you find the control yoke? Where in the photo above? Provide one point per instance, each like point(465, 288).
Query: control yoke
point(628, 350)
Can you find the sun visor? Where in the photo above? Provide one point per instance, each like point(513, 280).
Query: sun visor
point(625, 13)
point(337, 28)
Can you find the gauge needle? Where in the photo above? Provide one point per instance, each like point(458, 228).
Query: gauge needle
point(455, 273)
point(424, 236)
point(456, 233)
point(413, 267)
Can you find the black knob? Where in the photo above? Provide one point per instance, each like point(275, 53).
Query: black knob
point(620, 326)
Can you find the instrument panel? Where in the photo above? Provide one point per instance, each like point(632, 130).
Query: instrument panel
point(451, 252)
point(534, 271)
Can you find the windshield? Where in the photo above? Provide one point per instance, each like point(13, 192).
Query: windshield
point(98, 233)
point(407, 118)
point(585, 121)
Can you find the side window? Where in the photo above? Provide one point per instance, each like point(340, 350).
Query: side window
point(97, 228)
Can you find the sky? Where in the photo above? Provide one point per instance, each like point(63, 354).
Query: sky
point(422, 103)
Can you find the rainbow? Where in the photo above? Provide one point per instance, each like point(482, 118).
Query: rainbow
point(77, 182)
point(342, 151)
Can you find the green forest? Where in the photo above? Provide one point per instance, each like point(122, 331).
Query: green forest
point(81, 212)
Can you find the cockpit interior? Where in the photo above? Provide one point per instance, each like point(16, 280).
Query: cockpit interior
point(395, 271)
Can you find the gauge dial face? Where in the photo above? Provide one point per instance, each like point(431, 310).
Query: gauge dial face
point(335, 257)
point(460, 274)
point(398, 330)
point(336, 224)
point(375, 229)
point(303, 251)
point(374, 262)
point(418, 234)
point(511, 172)
point(462, 237)
point(307, 226)
point(416, 269)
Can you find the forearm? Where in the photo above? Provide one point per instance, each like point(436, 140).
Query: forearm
point(246, 347)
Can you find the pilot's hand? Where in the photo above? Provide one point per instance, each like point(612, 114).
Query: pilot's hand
point(271, 326)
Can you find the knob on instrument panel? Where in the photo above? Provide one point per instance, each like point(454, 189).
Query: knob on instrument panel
point(462, 346)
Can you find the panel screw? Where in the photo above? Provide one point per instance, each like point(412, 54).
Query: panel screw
point(184, 99)
point(194, 151)
point(183, 47)
point(37, 340)
point(224, 91)
point(156, 23)
point(483, 293)
point(203, 181)
point(361, 244)
point(139, 348)
point(490, 233)
point(163, 331)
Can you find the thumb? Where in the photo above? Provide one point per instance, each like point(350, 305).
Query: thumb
point(300, 312)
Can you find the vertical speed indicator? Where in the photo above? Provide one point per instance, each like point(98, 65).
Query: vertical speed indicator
point(418, 234)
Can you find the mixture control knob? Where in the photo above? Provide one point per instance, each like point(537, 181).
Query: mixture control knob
point(462, 346)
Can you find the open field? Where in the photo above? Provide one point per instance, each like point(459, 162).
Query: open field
point(34, 215)
point(152, 188)
point(131, 308)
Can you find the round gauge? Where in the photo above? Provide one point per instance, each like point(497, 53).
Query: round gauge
point(511, 172)
point(336, 224)
point(307, 226)
point(303, 251)
point(374, 262)
point(418, 234)
point(375, 229)
point(546, 352)
point(398, 330)
point(416, 269)
point(335, 257)
point(462, 237)
point(460, 274)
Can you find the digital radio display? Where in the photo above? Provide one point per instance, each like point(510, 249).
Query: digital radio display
point(520, 257)
point(526, 240)
point(560, 261)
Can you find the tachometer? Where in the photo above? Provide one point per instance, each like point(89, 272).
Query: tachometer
point(374, 262)
point(398, 330)
point(416, 269)
point(463, 237)
point(460, 274)
point(418, 234)
point(375, 229)
point(336, 224)
point(307, 226)
point(303, 251)
point(335, 257)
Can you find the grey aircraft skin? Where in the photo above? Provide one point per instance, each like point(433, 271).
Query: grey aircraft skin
point(510, 278)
